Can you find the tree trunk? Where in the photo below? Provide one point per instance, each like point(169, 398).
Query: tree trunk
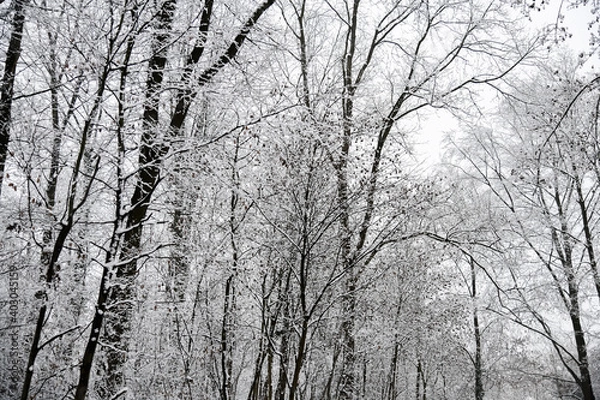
point(111, 255)
point(282, 379)
point(227, 328)
point(348, 378)
point(565, 253)
point(589, 240)
point(418, 381)
point(479, 391)
point(393, 375)
point(122, 293)
point(8, 81)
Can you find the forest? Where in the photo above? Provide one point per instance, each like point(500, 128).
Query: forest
point(250, 200)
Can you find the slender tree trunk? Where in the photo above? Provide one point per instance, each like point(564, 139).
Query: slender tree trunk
point(580, 341)
point(348, 378)
point(299, 362)
point(111, 255)
point(8, 80)
point(589, 240)
point(282, 377)
point(50, 253)
point(270, 318)
point(393, 371)
point(421, 377)
point(227, 328)
point(255, 388)
point(329, 384)
point(284, 300)
point(478, 363)
point(418, 381)
point(575, 315)
point(566, 257)
point(305, 266)
point(97, 321)
point(393, 375)
point(227, 340)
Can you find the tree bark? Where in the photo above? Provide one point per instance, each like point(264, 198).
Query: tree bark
point(348, 378)
point(589, 240)
point(8, 81)
point(562, 241)
point(227, 331)
point(111, 255)
point(478, 363)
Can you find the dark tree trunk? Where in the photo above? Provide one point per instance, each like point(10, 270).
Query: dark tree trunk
point(478, 363)
point(589, 240)
point(119, 297)
point(227, 328)
point(565, 253)
point(111, 255)
point(8, 80)
point(282, 377)
point(418, 381)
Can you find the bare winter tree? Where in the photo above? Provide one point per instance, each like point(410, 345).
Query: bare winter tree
point(115, 298)
point(367, 124)
point(544, 177)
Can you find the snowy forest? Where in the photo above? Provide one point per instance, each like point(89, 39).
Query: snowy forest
point(299, 200)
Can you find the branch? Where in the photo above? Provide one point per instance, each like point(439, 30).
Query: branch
point(57, 336)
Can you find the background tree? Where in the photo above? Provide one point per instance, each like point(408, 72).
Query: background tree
point(548, 204)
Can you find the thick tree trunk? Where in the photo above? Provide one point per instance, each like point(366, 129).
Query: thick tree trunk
point(121, 293)
point(8, 80)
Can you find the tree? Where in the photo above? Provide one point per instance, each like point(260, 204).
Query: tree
point(371, 119)
point(153, 149)
point(546, 189)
